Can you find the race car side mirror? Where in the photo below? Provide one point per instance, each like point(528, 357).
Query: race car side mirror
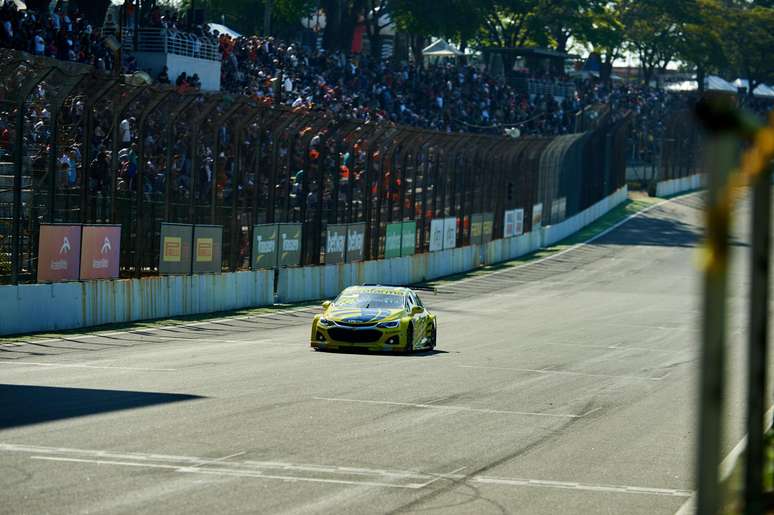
point(326, 304)
point(416, 310)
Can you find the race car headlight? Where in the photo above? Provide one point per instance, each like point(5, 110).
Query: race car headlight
point(325, 322)
point(389, 325)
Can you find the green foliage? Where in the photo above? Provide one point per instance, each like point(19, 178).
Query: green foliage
point(749, 40)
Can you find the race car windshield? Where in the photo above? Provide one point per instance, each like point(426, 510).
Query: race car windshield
point(369, 300)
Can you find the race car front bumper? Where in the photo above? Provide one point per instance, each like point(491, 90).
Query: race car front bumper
point(365, 337)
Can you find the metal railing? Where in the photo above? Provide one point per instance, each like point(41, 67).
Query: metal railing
point(168, 41)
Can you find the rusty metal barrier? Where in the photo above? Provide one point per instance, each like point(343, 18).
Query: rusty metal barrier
point(79, 147)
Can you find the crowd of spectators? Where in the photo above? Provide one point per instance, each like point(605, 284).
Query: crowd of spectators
point(445, 96)
point(66, 36)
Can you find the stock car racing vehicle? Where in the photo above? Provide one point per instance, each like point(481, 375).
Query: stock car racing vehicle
point(375, 317)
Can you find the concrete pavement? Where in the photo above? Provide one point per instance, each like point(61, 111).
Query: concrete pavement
point(565, 386)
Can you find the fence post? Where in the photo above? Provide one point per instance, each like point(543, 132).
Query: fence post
point(17, 196)
point(757, 358)
point(713, 355)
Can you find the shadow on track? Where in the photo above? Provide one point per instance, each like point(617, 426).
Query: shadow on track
point(416, 354)
point(22, 405)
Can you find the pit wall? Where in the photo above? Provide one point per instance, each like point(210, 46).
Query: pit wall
point(675, 186)
point(28, 308)
point(321, 282)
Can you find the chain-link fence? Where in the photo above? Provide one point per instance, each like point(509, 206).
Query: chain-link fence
point(78, 147)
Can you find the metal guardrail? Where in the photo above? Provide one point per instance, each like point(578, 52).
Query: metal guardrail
point(113, 152)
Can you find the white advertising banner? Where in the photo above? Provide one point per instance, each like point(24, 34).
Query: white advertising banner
point(509, 225)
point(519, 222)
point(436, 234)
point(449, 233)
point(537, 215)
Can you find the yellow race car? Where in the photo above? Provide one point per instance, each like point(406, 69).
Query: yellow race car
point(375, 317)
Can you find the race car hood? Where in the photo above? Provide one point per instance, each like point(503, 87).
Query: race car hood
point(362, 315)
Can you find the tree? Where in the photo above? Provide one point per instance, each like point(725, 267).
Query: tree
point(652, 31)
point(700, 42)
point(750, 40)
point(606, 34)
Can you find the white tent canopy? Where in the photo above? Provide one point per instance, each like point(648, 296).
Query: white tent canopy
point(711, 83)
point(440, 48)
point(222, 29)
point(761, 90)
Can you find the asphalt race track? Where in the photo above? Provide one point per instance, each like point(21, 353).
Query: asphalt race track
point(564, 386)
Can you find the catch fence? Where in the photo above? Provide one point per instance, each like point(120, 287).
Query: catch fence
point(77, 147)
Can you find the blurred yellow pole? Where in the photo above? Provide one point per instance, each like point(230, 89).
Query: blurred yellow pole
point(721, 152)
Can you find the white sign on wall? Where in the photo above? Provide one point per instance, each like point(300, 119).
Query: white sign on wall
point(449, 233)
point(519, 222)
point(537, 215)
point(436, 234)
point(509, 225)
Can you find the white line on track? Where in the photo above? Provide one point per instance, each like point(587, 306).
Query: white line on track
point(340, 475)
point(581, 486)
point(456, 408)
point(565, 372)
point(570, 249)
point(230, 472)
point(77, 365)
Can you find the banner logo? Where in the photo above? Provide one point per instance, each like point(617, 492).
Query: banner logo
point(204, 250)
point(173, 249)
point(65, 246)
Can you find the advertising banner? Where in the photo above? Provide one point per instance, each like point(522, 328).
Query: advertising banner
point(175, 249)
point(449, 233)
point(476, 228)
point(519, 225)
point(335, 244)
point(436, 235)
point(509, 224)
point(59, 253)
point(487, 228)
point(207, 249)
point(537, 215)
point(289, 244)
point(408, 238)
point(355, 242)
point(264, 246)
point(392, 240)
point(100, 251)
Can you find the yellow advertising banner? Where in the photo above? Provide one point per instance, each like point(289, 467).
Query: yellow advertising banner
point(173, 249)
point(204, 249)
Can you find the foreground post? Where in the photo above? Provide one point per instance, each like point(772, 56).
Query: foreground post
point(758, 343)
point(721, 152)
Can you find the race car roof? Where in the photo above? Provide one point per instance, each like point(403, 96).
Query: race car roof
point(378, 288)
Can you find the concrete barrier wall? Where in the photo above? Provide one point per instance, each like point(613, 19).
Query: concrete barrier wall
point(324, 282)
point(675, 186)
point(46, 307)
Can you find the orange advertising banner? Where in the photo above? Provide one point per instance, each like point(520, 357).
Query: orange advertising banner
point(59, 253)
point(100, 251)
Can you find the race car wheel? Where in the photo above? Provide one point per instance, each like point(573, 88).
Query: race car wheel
point(409, 339)
point(433, 335)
